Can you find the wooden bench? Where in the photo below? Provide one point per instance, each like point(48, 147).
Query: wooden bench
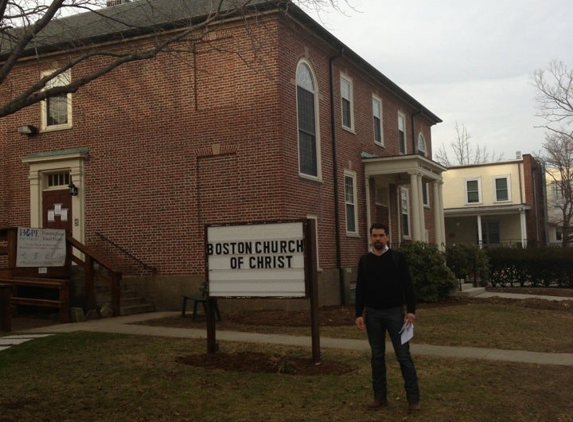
point(61, 285)
point(202, 299)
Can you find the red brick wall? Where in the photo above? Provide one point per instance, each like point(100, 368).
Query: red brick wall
point(168, 155)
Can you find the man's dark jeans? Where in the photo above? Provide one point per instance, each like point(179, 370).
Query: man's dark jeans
point(378, 321)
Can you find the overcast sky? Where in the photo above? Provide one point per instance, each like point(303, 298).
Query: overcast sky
point(467, 61)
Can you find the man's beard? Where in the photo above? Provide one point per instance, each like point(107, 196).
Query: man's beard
point(379, 246)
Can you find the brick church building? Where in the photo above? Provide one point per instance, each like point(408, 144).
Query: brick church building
point(267, 117)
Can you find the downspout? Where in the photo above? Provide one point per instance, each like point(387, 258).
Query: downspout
point(342, 287)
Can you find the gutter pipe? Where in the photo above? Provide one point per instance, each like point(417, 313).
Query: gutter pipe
point(342, 287)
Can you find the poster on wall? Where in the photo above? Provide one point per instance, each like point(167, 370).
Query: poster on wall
point(40, 247)
point(256, 260)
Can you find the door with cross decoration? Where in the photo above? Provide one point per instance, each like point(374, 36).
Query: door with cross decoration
point(57, 209)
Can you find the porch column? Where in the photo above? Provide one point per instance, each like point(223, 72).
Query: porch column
point(417, 211)
point(523, 228)
point(439, 226)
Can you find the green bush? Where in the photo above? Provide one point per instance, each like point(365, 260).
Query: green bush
point(433, 280)
point(468, 262)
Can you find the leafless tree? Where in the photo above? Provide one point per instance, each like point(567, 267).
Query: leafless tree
point(30, 29)
point(464, 152)
point(554, 102)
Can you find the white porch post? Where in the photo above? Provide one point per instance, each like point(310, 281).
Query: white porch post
point(439, 225)
point(523, 228)
point(480, 240)
point(417, 211)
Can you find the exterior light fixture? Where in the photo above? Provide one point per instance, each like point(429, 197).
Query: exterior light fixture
point(73, 189)
point(29, 130)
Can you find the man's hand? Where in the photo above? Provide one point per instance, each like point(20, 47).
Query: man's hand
point(360, 323)
point(409, 318)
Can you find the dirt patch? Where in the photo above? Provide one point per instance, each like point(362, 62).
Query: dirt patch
point(263, 363)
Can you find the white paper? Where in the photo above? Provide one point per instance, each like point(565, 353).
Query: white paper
point(64, 216)
point(51, 216)
point(407, 332)
point(57, 209)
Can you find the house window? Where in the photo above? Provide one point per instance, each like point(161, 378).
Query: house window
point(377, 120)
point(307, 137)
point(473, 191)
point(422, 145)
point(350, 201)
point(425, 193)
point(557, 192)
point(57, 110)
point(405, 212)
point(346, 95)
point(402, 133)
point(501, 186)
point(490, 233)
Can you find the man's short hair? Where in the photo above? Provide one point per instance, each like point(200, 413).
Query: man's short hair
point(379, 226)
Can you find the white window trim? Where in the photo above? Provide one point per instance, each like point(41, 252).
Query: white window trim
point(408, 213)
point(351, 174)
point(403, 117)
point(44, 104)
point(379, 101)
point(471, 179)
point(508, 178)
point(346, 78)
point(422, 141)
point(318, 177)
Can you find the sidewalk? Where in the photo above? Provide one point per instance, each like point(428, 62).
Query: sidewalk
point(125, 325)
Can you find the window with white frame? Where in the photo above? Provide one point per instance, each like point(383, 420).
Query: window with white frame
point(402, 133)
point(57, 110)
point(377, 120)
point(405, 212)
point(425, 193)
point(473, 191)
point(350, 201)
point(556, 191)
point(422, 145)
point(501, 188)
point(347, 104)
point(308, 147)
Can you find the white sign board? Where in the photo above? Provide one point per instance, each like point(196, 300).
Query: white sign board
point(41, 247)
point(258, 260)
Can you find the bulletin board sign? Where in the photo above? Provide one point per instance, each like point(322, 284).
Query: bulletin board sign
point(257, 260)
point(40, 247)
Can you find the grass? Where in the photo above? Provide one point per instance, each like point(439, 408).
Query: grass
point(119, 378)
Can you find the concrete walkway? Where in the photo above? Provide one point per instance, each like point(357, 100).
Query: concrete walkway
point(125, 325)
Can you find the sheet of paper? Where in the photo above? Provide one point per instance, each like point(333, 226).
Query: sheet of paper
point(407, 332)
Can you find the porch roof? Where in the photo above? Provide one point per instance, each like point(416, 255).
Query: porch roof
point(487, 210)
point(401, 166)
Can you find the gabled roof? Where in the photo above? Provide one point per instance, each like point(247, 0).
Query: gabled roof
point(141, 17)
point(127, 19)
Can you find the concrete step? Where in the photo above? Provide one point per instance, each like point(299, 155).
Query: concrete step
point(469, 290)
point(139, 308)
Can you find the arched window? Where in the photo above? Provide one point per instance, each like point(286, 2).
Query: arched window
point(308, 151)
point(422, 145)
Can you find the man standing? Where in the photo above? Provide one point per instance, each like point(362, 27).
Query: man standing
point(383, 287)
